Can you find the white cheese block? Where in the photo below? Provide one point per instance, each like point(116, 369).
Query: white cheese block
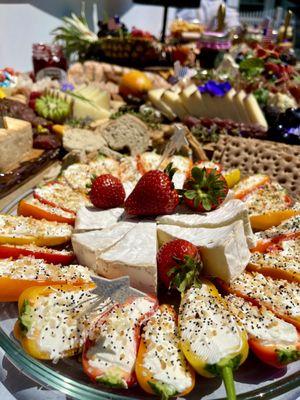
point(16, 142)
point(254, 111)
point(92, 218)
point(155, 98)
point(88, 245)
point(224, 250)
point(230, 211)
point(173, 100)
point(135, 256)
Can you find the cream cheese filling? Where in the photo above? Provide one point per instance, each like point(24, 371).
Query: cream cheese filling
point(116, 344)
point(206, 325)
point(163, 357)
point(262, 324)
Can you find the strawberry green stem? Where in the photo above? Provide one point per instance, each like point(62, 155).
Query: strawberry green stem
point(227, 376)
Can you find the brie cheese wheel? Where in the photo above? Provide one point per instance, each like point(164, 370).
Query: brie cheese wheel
point(92, 218)
point(230, 211)
point(224, 251)
point(155, 98)
point(88, 245)
point(135, 256)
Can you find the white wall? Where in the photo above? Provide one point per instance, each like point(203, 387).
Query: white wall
point(23, 23)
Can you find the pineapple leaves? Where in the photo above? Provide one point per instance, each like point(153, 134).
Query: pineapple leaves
point(75, 34)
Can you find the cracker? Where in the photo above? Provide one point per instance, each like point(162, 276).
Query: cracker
point(278, 160)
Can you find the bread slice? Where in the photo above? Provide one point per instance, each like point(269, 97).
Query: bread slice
point(83, 139)
point(127, 132)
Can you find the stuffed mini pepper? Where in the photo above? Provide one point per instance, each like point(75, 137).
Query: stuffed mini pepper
point(55, 320)
point(273, 340)
point(18, 275)
point(110, 351)
point(214, 343)
point(161, 367)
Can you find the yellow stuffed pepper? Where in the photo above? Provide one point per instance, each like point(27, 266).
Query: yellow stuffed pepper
point(212, 340)
point(53, 320)
point(161, 367)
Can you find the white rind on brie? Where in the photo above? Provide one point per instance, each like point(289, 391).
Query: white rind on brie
point(88, 245)
point(224, 250)
point(229, 212)
point(135, 256)
point(92, 218)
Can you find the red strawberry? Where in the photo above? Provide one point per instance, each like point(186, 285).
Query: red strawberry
point(107, 192)
point(205, 190)
point(178, 263)
point(154, 194)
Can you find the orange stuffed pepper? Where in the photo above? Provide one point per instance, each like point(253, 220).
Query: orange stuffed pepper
point(18, 275)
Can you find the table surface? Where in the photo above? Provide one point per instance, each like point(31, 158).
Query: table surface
point(16, 386)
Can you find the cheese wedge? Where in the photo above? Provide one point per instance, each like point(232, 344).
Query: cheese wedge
point(224, 250)
point(229, 212)
point(135, 256)
point(173, 100)
point(155, 98)
point(92, 218)
point(254, 111)
point(186, 98)
point(229, 107)
point(88, 245)
point(238, 101)
point(209, 105)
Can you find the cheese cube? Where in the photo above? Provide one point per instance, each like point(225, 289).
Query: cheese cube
point(254, 111)
point(193, 102)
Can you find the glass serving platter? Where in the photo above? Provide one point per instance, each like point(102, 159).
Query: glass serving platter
point(253, 380)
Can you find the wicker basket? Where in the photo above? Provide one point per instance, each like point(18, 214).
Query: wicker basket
point(251, 156)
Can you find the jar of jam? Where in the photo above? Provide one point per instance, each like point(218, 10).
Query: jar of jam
point(213, 46)
point(49, 60)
